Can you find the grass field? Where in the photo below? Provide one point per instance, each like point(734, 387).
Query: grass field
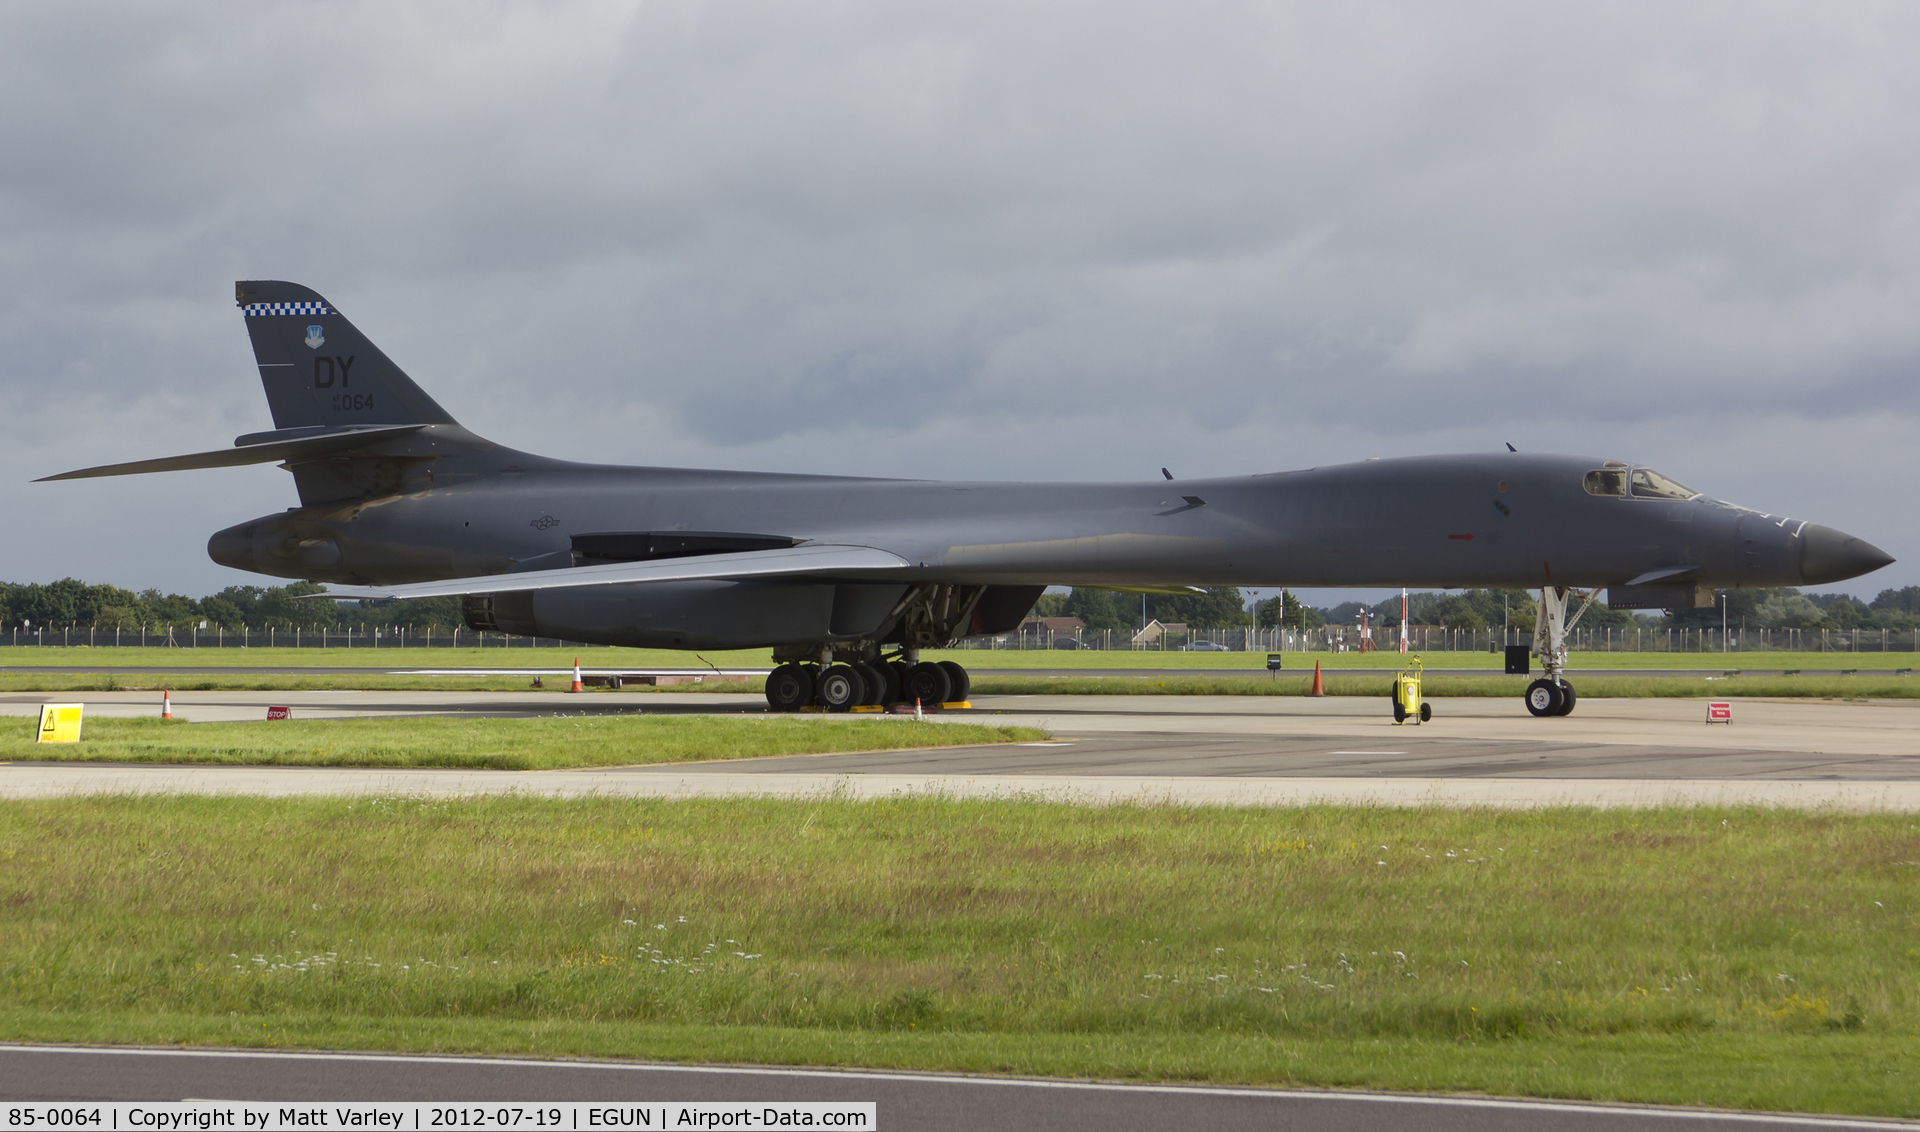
point(643, 659)
point(1625, 686)
point(1293, 682)
point(491, 744)
point(1035, 658)
point(512, 657)
point(1733, 957)
point(154, 679)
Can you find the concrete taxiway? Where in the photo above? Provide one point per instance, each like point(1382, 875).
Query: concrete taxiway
point(1197, 749)
point(925, 1101)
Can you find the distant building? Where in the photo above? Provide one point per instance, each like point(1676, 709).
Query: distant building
point(1156, 631)
point(1055, 626)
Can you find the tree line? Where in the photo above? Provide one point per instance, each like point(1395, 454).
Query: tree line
point(72, 602)
point(1223, 607)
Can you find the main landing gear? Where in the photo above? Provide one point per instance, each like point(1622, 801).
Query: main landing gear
point(861, 674)
point(1552, 695)
point(840, 685)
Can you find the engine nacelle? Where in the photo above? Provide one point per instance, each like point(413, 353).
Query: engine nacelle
point(692, 615)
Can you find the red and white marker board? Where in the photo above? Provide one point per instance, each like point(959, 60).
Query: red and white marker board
point(279, 713)
point(1719, 711)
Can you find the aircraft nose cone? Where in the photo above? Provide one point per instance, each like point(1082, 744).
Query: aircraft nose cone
point(1827, 555)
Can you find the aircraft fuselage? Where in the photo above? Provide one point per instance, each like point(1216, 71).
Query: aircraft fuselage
point(1503, 520)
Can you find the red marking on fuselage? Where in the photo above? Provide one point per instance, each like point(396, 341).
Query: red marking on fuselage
point(1459, 536)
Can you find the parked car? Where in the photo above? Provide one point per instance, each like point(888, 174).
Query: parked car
point(1066, 643)
point(1204, 646)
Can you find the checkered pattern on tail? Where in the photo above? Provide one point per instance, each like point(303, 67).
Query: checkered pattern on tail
point(257, 310)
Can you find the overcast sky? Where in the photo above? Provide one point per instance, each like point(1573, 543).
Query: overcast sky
point(981, 240)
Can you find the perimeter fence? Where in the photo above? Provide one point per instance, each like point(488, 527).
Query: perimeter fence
point(214, 637)
point(1438, 638)
point(1421, 638)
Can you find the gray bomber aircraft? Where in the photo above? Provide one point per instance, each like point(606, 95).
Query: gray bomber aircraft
point(848, 578)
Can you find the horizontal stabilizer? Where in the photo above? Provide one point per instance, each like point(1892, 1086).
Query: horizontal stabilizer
point(813, 558)
point(295, 450)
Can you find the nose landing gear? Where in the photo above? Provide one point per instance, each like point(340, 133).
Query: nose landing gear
point(1553, 695)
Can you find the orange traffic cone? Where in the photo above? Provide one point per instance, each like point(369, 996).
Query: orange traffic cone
point(166, 704)
point(1318, 688)
point(576, 676)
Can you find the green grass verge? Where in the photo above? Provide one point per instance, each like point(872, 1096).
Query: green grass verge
point(1868, 685)
point(515, 656)
point(1737, 957)
point(491, 744)
point(1625, 686)
point(641, 659)
point(153, 680)
point(1579, 658)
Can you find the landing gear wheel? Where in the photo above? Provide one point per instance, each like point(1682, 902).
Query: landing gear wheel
point(1567, 699)
point(875, 683)
point(1544, 698)
point(1426, 711)
point(840, 688)
point(613, 683)
point(896, 672)
point(959, 684)
point(927, 683)
point(789, 688)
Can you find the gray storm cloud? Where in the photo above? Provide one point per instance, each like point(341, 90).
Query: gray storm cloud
point(972, 240)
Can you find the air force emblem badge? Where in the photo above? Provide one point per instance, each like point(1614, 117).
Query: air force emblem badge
point(314, 338)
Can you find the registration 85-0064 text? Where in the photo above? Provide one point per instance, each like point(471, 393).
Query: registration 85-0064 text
point(42, 1117)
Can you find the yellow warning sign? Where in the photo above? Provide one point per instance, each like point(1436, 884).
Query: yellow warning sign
point(60, 723)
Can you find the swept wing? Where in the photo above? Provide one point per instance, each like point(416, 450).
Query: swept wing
point(810, 558)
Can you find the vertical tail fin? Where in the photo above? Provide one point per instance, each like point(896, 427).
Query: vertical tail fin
point(318, 370)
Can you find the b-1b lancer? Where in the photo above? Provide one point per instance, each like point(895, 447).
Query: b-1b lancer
point(849, 579)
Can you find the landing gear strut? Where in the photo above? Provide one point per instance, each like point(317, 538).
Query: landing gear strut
point(1553, 695)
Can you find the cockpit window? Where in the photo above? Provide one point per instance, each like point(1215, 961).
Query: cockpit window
point(1607, 481)
point(1649, 484)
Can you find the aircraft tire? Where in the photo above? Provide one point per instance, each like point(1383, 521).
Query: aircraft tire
point(927, 683)
point(876, 684)
point(840, 688)
point(896, 672)
point(1567, 699)
point(959, 684)
point(1543, 698)
point(789, 688)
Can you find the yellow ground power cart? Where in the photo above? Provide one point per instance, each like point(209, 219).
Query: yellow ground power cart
point(1407, 703)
